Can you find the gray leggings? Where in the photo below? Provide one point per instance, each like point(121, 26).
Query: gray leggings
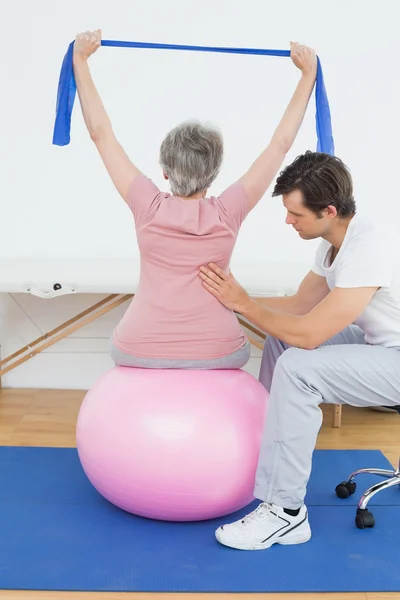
point(236, 360)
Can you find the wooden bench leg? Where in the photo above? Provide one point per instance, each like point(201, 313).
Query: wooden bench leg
point(337, 415)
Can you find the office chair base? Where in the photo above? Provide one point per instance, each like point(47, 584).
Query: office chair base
point(345, 489)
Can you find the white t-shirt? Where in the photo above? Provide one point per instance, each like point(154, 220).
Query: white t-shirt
point(368, 256)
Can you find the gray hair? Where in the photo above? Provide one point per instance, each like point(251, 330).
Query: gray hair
point(191, 156)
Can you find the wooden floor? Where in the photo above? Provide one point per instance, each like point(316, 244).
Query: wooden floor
point(48, 418)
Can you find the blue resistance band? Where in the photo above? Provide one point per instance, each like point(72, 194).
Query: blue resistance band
point(67, 90)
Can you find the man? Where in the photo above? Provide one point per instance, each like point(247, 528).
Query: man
point(337, 340)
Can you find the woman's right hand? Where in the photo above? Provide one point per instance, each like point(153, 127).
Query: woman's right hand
point(304, 58)
point(87, 43)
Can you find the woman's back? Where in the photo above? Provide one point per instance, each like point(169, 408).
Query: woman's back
point(172, 315)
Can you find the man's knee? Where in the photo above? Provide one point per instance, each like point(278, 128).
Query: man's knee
point(294, 360)
point(296, 379)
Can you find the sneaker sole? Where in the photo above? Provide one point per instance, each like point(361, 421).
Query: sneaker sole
point(283, 541)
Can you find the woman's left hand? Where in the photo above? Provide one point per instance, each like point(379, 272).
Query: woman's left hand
point(224, 287)
point(304, 58)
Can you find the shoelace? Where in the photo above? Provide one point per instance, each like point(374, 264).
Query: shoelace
point(262, 510)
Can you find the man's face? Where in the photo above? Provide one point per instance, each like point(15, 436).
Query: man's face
point(307, 224)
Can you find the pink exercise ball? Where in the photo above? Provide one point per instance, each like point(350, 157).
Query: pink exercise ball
point(174, 445)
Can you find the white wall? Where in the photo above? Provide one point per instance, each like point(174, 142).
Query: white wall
point(59, 202)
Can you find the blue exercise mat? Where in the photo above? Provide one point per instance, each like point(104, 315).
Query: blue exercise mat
point(67, 89)
point(58, 533)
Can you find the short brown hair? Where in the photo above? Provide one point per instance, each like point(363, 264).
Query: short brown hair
point(323, 180)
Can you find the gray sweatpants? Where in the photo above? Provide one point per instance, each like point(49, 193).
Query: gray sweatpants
point(344, 370)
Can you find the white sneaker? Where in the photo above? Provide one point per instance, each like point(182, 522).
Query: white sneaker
point(265, 526)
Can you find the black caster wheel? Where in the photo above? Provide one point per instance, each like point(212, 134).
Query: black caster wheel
point(364, 518)
point(345, 489)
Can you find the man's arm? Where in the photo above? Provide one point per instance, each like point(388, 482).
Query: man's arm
point(335, 312)
point(121, 170)
point(311, 291)
point(263, 171)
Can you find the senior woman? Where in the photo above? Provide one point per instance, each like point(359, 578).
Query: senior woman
point(172, 321)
